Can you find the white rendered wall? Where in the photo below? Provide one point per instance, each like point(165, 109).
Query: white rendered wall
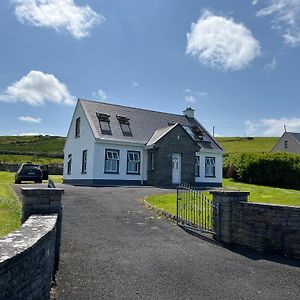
point(75, 146)
point(99, 162)
point(218, 167)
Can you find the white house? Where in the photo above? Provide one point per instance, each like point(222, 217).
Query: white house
point(111, 144)
point(289, 142)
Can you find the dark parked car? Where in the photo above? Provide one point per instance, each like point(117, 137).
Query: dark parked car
point(29, 172)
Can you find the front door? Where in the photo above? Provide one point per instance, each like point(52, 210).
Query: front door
point(176, 168)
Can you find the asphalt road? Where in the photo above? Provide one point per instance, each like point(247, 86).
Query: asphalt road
point(115, 248)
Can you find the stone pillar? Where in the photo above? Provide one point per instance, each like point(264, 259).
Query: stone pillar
point(222, 216)
point(44, 201)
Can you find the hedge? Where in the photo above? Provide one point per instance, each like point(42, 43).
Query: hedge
point(272, 169)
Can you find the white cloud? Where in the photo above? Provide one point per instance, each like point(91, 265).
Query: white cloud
point(285, 19)
point(58, 14)
point(271, 66)
point(221, 43)
point(192, 96)
point(272, 127)
point(30, 133)
point(254, 2)
point(36, 88)
point(101, 95)
point(29, 119)
point(134, 84)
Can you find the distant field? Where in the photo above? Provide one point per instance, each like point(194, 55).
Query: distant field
point(242, 145)
point(36, 149)
point(39, 143)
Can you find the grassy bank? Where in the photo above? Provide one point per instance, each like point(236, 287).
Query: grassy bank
point(259, 194)
point(242, 144)
point(10, 206)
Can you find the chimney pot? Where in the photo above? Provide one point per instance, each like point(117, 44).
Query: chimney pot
point(189, 112)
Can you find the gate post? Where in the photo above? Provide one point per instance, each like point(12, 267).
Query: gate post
point(222, 216)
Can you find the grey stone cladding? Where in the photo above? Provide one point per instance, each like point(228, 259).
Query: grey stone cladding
point(176, 141)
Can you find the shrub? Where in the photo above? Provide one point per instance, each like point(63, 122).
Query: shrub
point(273, 169)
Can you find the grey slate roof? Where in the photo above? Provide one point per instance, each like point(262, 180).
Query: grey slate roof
point(159, 133)
point(143, 122)
point(296, 136)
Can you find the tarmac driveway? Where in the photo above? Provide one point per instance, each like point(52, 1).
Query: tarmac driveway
point(115, 248)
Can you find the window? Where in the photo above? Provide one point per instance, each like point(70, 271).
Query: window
point(112, 161)
point(125, 126)
point(133, 162)
point(104, 123)
point(84, 160)
point(285, 144)
point(69, 164)
point(77, 128)
point(210, 167)
point(197, 166)
point(151, 161)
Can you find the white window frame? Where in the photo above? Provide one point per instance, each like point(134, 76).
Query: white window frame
point(197, 166)
point(112, 161)
point(84, 162)
point(69, 164)
point(133, 162)
point(210, 166)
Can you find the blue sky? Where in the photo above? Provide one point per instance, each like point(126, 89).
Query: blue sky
point(237, 63)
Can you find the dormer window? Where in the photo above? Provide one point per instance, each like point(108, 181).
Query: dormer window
point(125, 125)
point(104, 123)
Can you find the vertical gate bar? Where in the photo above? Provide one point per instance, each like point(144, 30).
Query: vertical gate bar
point(194, 205)
point(205, 208)
point(177, 205)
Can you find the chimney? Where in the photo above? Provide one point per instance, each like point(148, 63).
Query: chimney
point(189, 112)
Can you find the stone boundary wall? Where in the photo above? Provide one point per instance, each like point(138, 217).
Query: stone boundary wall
point(268, 228)
point(27, 259)
point(54, 169)
point(263, 227)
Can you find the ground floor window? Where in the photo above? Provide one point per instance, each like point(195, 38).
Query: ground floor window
point(112, 160)
point(210, 166)
point(84, 160)
point(133, 162)
point(69, 164)
point(197, 166)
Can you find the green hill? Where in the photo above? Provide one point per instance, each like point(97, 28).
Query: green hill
point(242, 144)
point(38, 149)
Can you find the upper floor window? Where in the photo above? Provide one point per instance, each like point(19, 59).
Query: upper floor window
point(285, 144)
point(112, 160)
point(104, 123)
point(125, 126)
point(77, 128)
point(133, 162)
point(210, 167)
point(69, 164)
point(197, 166)
point(84, 161)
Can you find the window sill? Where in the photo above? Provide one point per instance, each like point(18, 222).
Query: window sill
point(131, 173)
point(210, 176)
point(83, 172)
point(107, 172)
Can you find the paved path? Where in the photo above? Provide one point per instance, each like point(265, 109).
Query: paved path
point(115, 248)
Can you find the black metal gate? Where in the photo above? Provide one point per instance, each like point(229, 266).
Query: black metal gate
point(195, 209)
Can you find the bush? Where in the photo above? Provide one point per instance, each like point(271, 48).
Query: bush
point(272, 169)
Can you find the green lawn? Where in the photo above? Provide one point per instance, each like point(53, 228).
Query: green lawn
point(10, 205)
point(242, 144)
point(260, 194)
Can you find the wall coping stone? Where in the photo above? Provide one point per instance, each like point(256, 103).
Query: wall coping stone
point(272, 205)
point(34, 229)
point(229, 193)
point(38, 191)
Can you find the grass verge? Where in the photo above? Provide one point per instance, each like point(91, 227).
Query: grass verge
point(10, 205)
point(258, 194)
